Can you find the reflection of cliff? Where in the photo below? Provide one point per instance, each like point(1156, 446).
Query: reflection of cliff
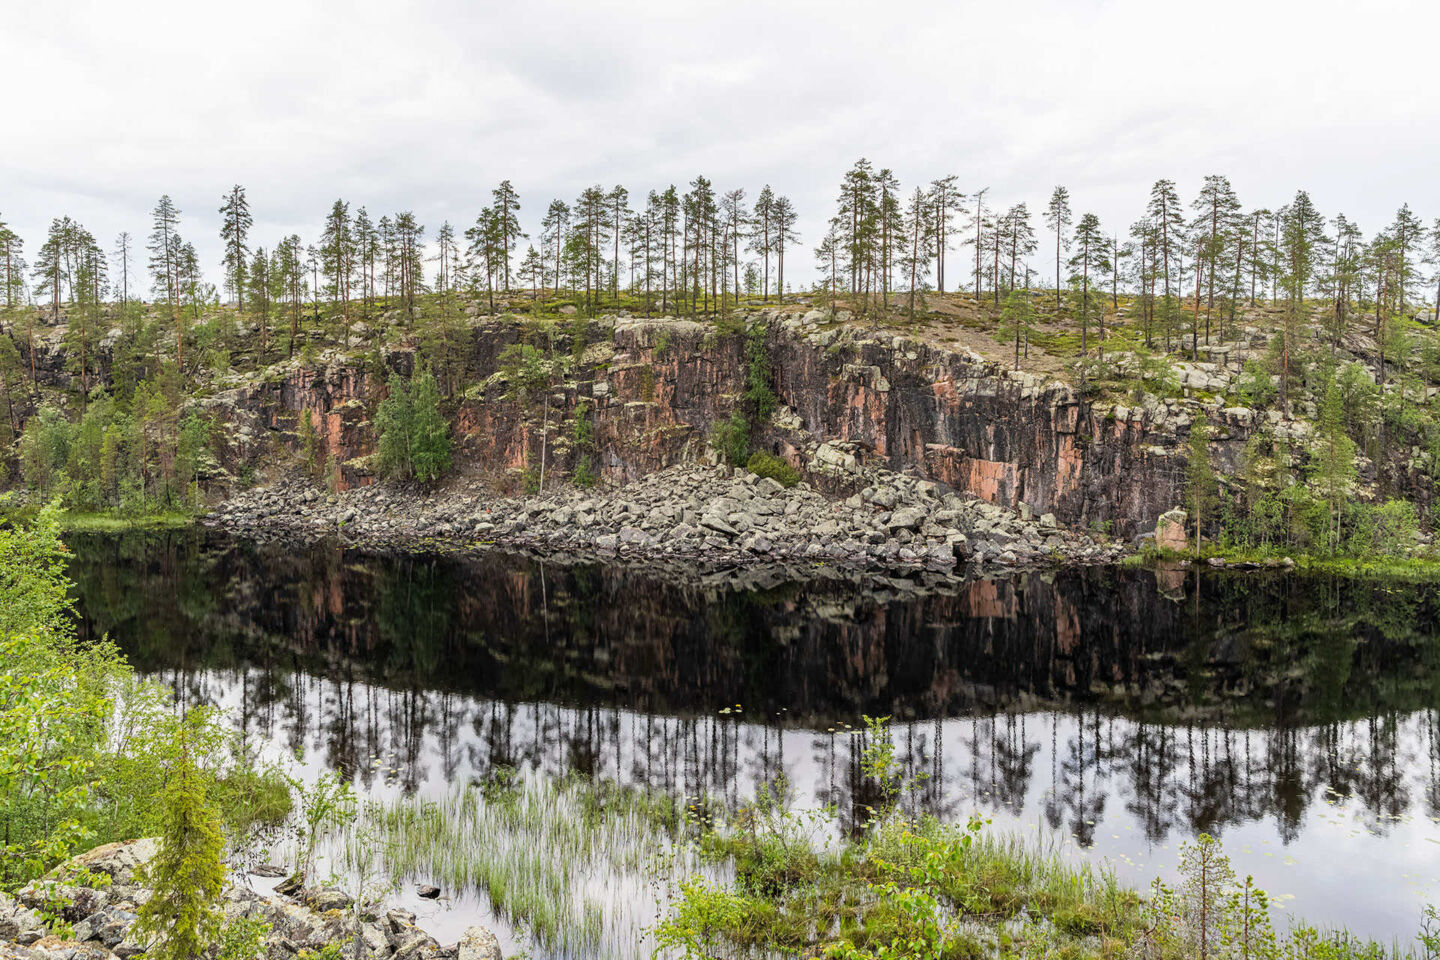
point(1252, 651)
point(1087, 701)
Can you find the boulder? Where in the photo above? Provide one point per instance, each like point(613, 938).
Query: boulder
point(906, 518)
point(478, 944)
point(1170, 530)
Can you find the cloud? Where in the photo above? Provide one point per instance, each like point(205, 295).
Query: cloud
point(426, 106)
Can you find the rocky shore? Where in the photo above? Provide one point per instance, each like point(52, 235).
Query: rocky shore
point(87, 910)
point(711, 515)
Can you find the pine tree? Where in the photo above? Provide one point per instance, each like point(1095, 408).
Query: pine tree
point(945, 202)
point(1407, 231)
point(367, 250)
point(978, 239)
point(617, 212)
point(1432, 257)
point(1169, 226)
point(732, 206)
point(1219, 209)
point(553, 229)
point(165, 254)
point(123, 244)
point(1058, 218)
point(920, 227)
point(337, 258)
point(762, 237)
point(234, 229)
point(785, 236)
point(1302, 233)
point(592, 219)
point(12, 267)
point(1090, 257)
point(1018, 237)
point(506, 207)
point(890, 227)
point(856, 221)
point(258, 279)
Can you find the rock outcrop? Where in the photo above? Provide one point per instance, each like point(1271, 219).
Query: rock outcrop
point(652, 391)
point(102, 916)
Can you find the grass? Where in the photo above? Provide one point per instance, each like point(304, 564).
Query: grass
point(104, 521)
point(557, 858)
point(984, 892)
point(75, 521)
point(1373, 566)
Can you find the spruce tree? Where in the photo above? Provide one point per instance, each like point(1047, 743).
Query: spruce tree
point(186, 876)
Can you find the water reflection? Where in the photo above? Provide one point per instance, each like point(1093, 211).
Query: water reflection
point(1122, 713)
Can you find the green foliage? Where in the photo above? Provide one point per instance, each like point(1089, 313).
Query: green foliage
point(1256, 386)
point(764, 464)
point(1017, 321)
point(186, 876)
point(412, 435)
point(326, 806)
point(139, 458)
point(86, 749)
point(584, 475)
point(759, 398)
point(242, 938)
point(731, 438)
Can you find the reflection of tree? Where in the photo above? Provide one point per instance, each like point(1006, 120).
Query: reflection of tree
point(1248, 700)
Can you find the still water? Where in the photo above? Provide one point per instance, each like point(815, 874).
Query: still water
point(1113, 713)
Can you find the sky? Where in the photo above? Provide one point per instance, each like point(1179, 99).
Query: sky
point(426, 106)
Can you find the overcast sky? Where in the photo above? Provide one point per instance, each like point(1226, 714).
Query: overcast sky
point(426, 106)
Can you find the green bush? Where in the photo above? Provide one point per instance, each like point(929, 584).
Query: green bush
point(767, 465)
point(584, 476)
point(413, 436)
point(731, 438)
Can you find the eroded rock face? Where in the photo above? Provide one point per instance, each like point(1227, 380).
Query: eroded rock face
point(653, 391)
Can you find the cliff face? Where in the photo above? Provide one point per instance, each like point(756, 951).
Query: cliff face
point(653, 391)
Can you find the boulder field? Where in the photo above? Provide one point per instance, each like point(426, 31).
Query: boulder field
point(714, 515)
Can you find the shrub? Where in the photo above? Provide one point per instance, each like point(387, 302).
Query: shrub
point(584, 476)
point(767, 465)
point(731, 438)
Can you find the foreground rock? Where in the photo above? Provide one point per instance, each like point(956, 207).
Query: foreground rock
point(102, 917)
point(713, 515)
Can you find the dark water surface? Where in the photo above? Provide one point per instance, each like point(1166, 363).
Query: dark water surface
point(1116, 713)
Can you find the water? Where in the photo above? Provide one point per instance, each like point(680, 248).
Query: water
point(1111, 713)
